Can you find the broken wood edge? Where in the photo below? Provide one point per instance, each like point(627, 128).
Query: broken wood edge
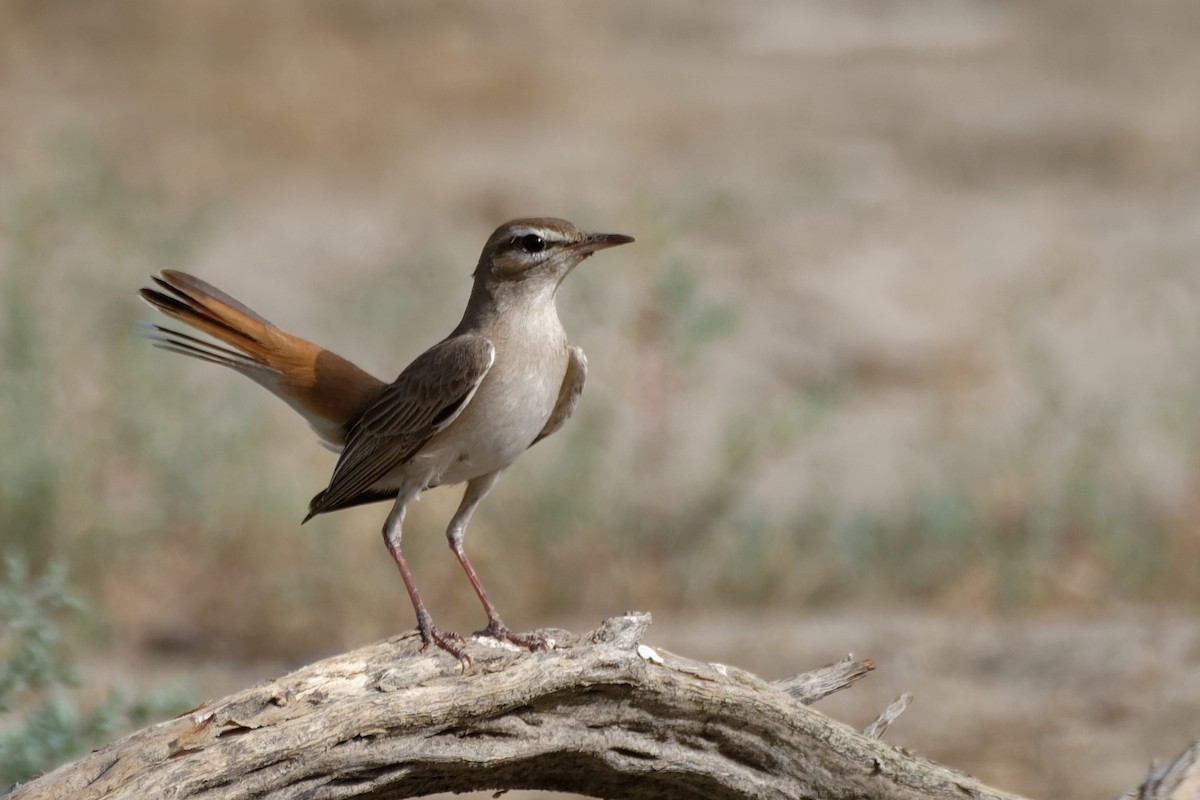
point(881, 723)
point(601, 714)
point(1178, 779)
point(809, 687)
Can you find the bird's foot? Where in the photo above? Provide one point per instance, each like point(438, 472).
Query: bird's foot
point(499, 631)
point(449, 641)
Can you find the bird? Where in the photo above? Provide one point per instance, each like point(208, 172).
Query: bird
point(503, 380)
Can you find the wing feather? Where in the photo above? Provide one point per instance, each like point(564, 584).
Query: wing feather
point(429, 395)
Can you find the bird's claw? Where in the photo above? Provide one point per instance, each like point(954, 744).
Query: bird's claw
point(449, 641)
point(499, 631)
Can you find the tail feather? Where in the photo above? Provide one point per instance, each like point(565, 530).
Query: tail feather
point(206, 308)
point(326, 389)
point(179, 342)
point(189, 287)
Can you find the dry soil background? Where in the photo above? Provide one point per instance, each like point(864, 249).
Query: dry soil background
point(944, 241)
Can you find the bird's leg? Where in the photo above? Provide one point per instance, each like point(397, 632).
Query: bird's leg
point(448, 641)
point(477, 489)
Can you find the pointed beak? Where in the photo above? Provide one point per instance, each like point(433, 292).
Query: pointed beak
point(602, 241)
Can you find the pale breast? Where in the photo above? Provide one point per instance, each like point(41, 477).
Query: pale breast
point(508, 411)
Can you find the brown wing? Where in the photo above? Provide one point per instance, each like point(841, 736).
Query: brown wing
point(568, 393)
point(429, 395)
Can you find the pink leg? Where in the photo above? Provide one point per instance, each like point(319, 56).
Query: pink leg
point(430, 634)
point(478, 489)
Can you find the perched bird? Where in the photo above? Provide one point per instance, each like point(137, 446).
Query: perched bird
point(503, 380)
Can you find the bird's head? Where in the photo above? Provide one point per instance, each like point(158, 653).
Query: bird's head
point(543, 250)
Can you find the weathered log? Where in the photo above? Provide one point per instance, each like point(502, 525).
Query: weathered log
point(598, 715)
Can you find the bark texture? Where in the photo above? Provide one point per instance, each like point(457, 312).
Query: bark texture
point(599, 715)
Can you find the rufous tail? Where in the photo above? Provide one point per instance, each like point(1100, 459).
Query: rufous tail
point(327, 390)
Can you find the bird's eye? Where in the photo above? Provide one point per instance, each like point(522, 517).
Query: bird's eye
point(530, 243)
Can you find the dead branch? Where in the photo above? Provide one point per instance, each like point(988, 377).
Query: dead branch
point(596, 715)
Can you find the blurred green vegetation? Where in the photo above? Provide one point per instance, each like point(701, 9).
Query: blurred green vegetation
point(173, 489)
point(124, 461)
point(47, 715)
